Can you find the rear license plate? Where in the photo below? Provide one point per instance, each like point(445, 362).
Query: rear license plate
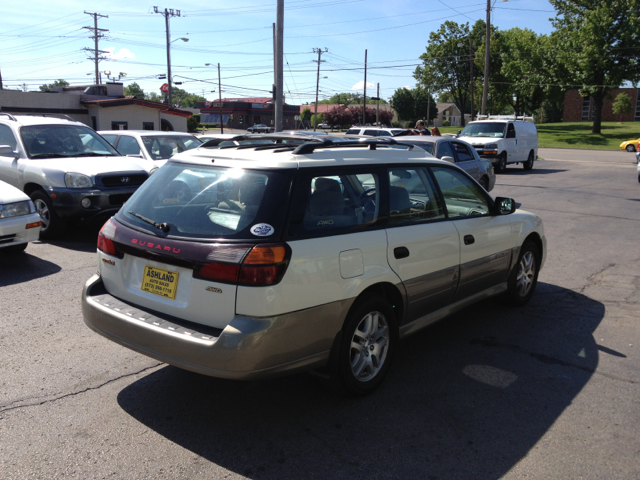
point(160, 282)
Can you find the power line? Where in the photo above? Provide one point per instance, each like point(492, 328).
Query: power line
point(97, 35)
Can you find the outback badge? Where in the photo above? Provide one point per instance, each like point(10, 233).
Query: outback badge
point(214, 290)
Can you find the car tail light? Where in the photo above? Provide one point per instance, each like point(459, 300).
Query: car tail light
point(255, 266)
point(105, 238)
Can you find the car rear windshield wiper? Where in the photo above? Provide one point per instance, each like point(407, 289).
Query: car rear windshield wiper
point(160, 226)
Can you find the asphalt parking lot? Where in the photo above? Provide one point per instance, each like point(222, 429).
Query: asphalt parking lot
point(551, 390)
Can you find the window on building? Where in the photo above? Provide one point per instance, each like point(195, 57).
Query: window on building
point(148, 126)
point(119, 125)
point(586, 105)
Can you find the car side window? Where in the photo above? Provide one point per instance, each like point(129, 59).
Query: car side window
point(7, 137)
point(110, 138)
point(373, 133)
point(511, 131)
point(335, 202)
point(128, 146)
point(444, 150)
point(462, 196)
point(412, 196)
point(384, 133)
point(463, 152)
point(353, 131)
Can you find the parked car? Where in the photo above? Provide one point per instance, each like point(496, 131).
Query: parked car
point(456, 151)
point(288, 259)
point(19, 221)
point(154, 147)
point(260, 128)
point(630, 145)
point(504, 139)
point(374, 131)
point(67, 169)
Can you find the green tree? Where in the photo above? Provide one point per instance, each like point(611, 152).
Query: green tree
point(306, 115)
point(602, 40)
point(182, 98)
point(153, 97)
point(403, 103)
point(411, 105)
point(622, 104)
point(446, 61)
point(58, 83)
point(135, 90)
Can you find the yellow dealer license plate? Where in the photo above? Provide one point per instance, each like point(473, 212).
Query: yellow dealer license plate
point(160, 282)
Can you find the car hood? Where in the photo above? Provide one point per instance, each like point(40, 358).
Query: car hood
point(10, 194)
point(91, 166)
point(479, 141)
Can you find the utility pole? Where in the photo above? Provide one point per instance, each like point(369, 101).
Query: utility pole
point(97, 35)
point(279, 71)
point(428, 105)
point(275, 75)
point(220, 101)
point(319, 51)
point(364, 99)
point(167, 13)
point(471, 74)
point(485, 88)
point(378, 107)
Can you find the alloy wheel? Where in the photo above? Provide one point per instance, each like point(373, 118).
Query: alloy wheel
point(526, 273)
point(369, 346)
point(43, 211)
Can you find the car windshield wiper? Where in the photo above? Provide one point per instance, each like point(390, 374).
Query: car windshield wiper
point(47, 155)
point(92, 154)
point(160, 226)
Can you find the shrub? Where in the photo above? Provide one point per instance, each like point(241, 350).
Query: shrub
point(192, 123)
point(446, 123)
point(395, 124)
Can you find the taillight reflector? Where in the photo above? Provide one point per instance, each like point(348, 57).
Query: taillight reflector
point(105, 244)
point(220, 272)
point(264, 265)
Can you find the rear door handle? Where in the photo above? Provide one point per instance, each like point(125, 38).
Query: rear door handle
point(400, 252)
point(469, 240)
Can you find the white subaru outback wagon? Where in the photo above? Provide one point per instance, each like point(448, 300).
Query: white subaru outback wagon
point(254, 261)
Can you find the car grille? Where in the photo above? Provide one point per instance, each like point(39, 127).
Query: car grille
point(7, 238)
point(123, 180)
point(119, 199)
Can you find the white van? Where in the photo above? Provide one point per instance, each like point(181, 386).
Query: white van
point(503, 139)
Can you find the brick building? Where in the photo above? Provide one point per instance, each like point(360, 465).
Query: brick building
point(243, 113)
point(581, 109)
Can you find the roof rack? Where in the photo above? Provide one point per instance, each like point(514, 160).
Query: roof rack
point(11, 117)
point(371, 143)
point(519, 118)
point(277, 138)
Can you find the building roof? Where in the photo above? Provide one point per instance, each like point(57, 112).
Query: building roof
point(248, 100)
point(132, 100)
point(443, 106)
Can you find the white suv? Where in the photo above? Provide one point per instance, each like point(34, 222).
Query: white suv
point(66, 168)
point(252, 262)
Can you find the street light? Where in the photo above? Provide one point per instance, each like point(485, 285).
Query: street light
point(114, 79)
point(184, 39)
point(219, 97)
point(485, 87)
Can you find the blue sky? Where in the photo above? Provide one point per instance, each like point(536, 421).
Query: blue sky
point(44, 41)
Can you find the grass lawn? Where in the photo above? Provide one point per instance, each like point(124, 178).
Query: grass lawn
point(578, 134)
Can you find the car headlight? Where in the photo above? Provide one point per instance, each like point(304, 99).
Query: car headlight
point(77, 180)
point(491, 146)
point(17, 209)
point(153, 170)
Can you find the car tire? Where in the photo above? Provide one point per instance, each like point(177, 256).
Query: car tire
point(524, 277)
point(501, 166)
point(52, 224)
point(14, 249)
point(369, 339)
point(528, 165)
point(484, 183)
point(630, 148)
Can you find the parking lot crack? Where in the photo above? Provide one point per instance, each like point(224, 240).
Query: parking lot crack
point(11, 406)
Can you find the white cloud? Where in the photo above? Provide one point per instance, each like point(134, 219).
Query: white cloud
point(360, 85)
point(122, 53)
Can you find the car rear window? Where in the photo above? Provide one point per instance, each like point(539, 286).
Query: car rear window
point(210, 202)
point(353, 131)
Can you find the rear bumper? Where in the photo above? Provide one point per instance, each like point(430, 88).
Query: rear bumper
point(247, 348)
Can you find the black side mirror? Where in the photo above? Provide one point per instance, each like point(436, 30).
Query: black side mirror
point(504, 206)
point(459, 132)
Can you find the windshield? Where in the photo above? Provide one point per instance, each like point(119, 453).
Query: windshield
point(495, 130)
point(60, 141)
point(209, 202)
point(161, 147)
